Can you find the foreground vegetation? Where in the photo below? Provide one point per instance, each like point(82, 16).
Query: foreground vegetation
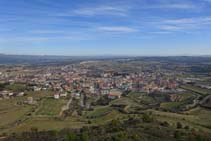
point(135, 116)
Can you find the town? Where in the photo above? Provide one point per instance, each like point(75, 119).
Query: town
point(76, 78)
point(97, 92)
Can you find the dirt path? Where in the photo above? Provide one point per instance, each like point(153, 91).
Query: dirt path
point(65, 107)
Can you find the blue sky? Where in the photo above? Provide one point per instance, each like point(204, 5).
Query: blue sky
point(105, 27)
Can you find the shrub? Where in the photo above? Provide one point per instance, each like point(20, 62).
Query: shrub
point(71, 137)
point(179, 125)
point(84, 136)
point(147, 118)
point(177, 135)
point(165, 124)
point(187, 127)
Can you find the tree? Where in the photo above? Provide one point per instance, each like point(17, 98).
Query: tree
point(34, 130)
point(148, 117)
point(177, 135)
point(200, 138)
point(165, 124)
point(71, 137)
point(84, 136)
point(187, 127)
point(179, 125)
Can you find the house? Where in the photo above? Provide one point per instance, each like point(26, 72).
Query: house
point(63, 95)
point(10, 94)
point(5, 94)
point(30, 101)
point(76, 95)
point(105, 91)
point(92, 89)
point(56, 96)
point(21, 94)
point(36, 89)
point(114, 94)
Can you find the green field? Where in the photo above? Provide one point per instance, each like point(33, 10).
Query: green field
point(99, 112)
point(196, 89)
point(45, 123)
point(11, 113)
point(141, 98)
point(40, 94)
point(44, 115)
point(186, 98)
point(50, 107)
point(102, 115)
point(123, 101)
point(16, 87)
point(171, 105)
point(198, 118)
point(14, 113)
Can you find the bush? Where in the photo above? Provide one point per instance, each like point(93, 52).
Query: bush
point(147, 118)
point(85, 136)
point(34, 129)
point(187, 127)
point(200, 138)
point(165, 124)
point(179, 125)
point(177, 135)
point(71, 137)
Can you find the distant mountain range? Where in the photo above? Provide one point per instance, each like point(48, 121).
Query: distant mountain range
point(35, 59)
point(26, 59)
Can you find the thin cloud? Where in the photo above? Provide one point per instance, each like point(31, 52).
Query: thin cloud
point(185, 24)
point(39, 39)
point(184, 5)
point(117, 29)
point(199, 20)
point(170, 28)
point(177, 6)
point(99, 10)
point(47, 31)
point(207, 0)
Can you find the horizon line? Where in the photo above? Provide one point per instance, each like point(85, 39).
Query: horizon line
point(110, 55)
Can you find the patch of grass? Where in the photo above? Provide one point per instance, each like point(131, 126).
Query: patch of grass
point(45, 123)
point(145, 99)
point(99, 112)
point(142, 98)
point(135, 94)
point(186, 98)
point(122, 101)
point(197, 118)
point(16, 87)
point(11, 113)
point(203, 116)
point(196, 89)
point(171, 105)
point(50, 107)
point(40, 94)
point(108, 117)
